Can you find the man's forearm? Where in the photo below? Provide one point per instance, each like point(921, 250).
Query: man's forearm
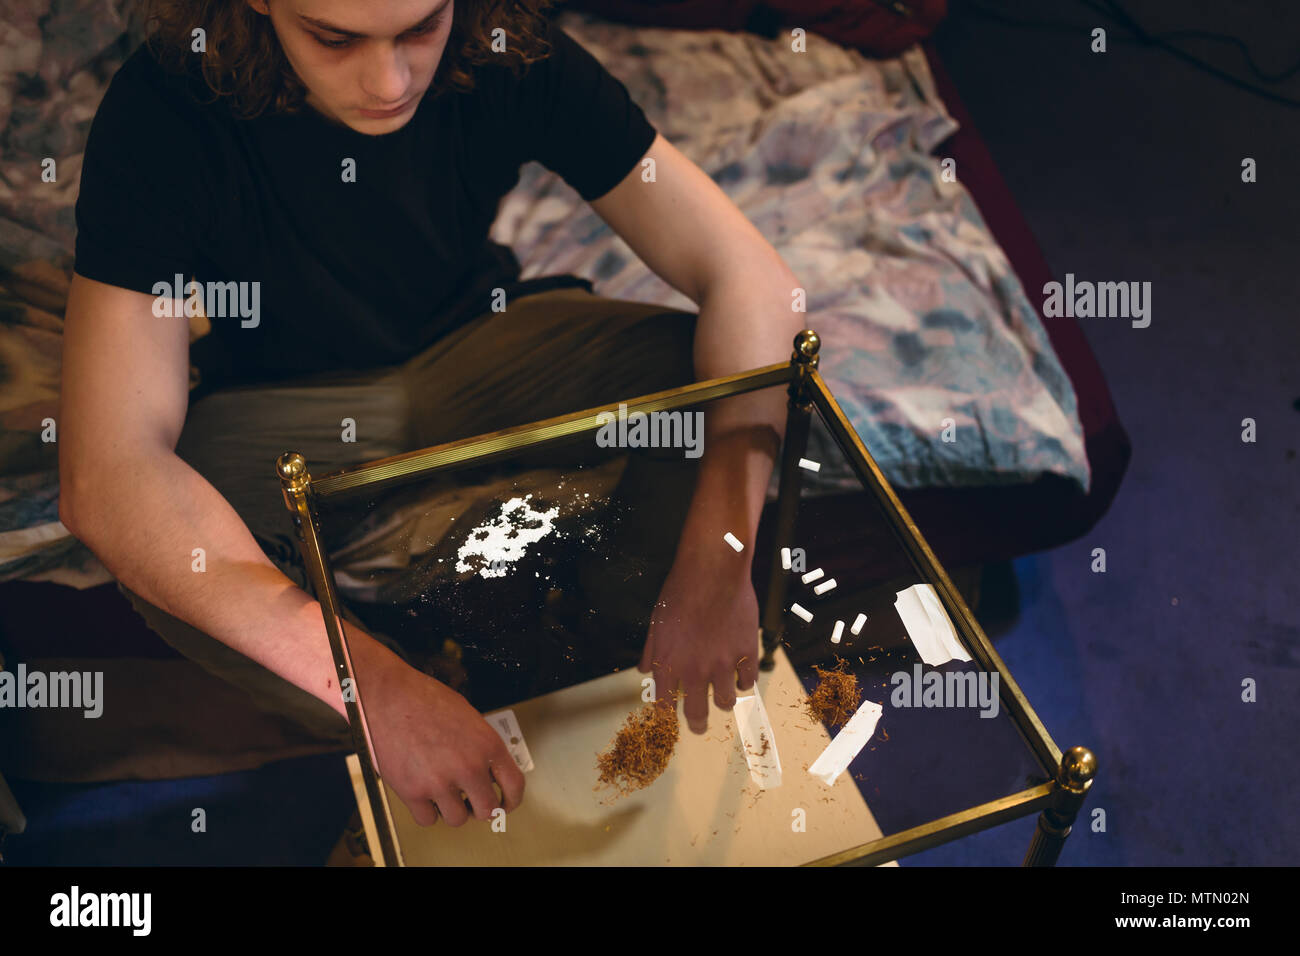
point(143, 520)
point(745, 322)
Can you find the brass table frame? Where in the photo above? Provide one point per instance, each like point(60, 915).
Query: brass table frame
point(1059, 799)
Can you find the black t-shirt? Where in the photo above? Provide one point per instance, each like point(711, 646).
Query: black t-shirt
point(353, 275)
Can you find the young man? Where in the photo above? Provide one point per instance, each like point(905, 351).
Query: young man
point(345, 180)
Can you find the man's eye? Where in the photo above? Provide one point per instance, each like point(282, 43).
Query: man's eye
point(428, 28)
point(332, 44)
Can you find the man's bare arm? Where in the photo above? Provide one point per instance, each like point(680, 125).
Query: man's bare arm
point(132, 500)
point(126, 494)
point(695, 238)
point(686, 229)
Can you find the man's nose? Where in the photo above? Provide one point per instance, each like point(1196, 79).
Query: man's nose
point(385, 76)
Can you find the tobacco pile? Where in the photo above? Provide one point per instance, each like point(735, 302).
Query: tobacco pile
point(837, 696)
point(641, 749)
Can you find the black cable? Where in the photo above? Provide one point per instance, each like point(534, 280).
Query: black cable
point(1115, 12)
point(1245, 52)
point(1119, 13)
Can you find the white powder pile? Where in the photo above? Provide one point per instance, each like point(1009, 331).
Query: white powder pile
point(504, 539)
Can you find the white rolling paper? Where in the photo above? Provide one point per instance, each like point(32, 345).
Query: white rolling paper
point(758, 741)
point(848, 743)
point(928, 625)
point(506, 725)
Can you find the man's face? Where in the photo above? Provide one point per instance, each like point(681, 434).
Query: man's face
point(365, 65)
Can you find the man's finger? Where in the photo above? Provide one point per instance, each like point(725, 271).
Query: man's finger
point(665, 684)
point(481, 794)
point(747, 673)
point(451, 806)
point(511, 780)
point(724, 686)
point(696, 706)
point(647, 656)
point(423, 812)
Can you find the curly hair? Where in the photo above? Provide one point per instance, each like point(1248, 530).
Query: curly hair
point(243, 59)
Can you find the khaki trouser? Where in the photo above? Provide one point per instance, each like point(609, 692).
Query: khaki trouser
point(548, 354)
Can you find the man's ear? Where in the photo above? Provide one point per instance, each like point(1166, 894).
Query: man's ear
point(260, 7)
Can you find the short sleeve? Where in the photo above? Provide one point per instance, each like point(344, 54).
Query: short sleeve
point(577, 119)
point(144, 198)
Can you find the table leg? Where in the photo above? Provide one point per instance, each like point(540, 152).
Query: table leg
point(798, 422)
point(1073, 781)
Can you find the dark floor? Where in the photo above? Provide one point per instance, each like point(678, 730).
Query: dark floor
point(1127, 167)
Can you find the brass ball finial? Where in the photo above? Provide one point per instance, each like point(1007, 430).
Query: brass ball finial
point(290, 466)
point(806, 345)
point(1078, 767)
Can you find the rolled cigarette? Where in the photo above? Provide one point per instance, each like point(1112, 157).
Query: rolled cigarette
point(785, 558)
point(813, 575)
point(802, 612)
point(838, 633)
point(810, 465)
point(824, 586)
point(858, 621)
point(732, 540)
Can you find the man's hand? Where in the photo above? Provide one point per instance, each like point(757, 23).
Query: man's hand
point(432, 746)
point(704, 630)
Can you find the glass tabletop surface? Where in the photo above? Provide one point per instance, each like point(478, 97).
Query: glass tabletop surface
point(512, 578)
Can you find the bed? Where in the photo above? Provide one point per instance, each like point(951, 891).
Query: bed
point(917, 283)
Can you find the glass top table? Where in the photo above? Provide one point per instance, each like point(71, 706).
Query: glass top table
point(523, 569)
